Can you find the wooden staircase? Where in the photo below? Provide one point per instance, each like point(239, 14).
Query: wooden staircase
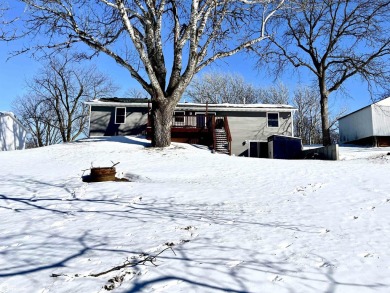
point(221, 141)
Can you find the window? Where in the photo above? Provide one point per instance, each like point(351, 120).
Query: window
point(120, 115)
point(273, 119)
point(178, 118)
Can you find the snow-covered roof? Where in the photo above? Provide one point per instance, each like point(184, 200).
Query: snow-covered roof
point(12, 115)
point(382, 103)
point(197, 106)
point(5, 113)
point(117, 102)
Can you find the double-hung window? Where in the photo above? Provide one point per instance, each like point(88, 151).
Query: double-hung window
point(178, 118)
point(273, 119)
point(120, 115)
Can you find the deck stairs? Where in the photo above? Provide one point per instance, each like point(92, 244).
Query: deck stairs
point(221, 144)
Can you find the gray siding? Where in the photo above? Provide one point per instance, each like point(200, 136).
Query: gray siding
point(102, 121)
point(244, 126)
point(356, 126)
point(255, 127)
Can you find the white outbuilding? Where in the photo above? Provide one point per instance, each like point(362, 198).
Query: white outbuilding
point(12, 132)
point(367, 126)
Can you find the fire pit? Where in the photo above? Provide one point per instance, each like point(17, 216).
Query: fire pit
point(100, 174)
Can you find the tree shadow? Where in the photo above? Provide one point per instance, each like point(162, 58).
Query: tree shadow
point(212, 272)
point(202, 261)
point(136, 140)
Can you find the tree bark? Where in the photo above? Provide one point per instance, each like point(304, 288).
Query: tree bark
point(325, 119)
point(162, 115)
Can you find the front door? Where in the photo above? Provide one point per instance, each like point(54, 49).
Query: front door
point(200, 120)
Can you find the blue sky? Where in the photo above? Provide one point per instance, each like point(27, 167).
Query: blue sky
point(15, 71)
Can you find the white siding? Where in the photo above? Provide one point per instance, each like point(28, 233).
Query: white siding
point(12, 135)
point(356, 126)
point(384, 102)
point(381, 120)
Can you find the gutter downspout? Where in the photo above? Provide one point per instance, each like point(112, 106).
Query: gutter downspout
point(89, 121)
point(292, 122)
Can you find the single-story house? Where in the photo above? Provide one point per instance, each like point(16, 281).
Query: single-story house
point(239, 129)
point(367, 126)
point(12, 132)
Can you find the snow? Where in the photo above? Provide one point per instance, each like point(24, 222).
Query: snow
point(208, 222)
point(232, 107)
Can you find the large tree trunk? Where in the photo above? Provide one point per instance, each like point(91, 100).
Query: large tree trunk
point(324, 109)
point(325, 119)
point(162, 114)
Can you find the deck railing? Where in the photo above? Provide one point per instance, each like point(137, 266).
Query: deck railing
point(228, 134)
point(213, 132)
point(192, 121)
point(201, 123)
point(184, 121)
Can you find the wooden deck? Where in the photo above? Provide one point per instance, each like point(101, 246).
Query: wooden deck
point(197, 129)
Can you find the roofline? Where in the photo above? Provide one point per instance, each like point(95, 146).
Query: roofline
point(236, 108)
point(202, 107)
point(116, 104)
point(342, 117)
point(10, 114)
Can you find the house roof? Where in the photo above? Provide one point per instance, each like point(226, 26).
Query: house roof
point(5, 113)
point(12, 116)
point(194, 106)
point(124, 100)
point(384, 102)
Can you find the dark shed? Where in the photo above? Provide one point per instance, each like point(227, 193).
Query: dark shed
point(284, 147)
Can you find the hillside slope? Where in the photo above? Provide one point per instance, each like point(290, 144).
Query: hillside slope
point(192, 221)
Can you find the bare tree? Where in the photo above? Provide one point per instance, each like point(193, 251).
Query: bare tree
point(38, 118)
point(307, 117)
point(274, 94)
point(217, 87)
point(335, 40)
point(7, 33)
point(53, 106)
point(136, 94)
point(163, 43)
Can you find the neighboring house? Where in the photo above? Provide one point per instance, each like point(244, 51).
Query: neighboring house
point(12, 132)
point(228, 128)
point(367, 126)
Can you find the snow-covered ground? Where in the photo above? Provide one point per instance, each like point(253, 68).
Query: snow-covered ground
point(192, 221)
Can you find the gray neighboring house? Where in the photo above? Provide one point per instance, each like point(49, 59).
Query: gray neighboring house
point(12, 132)
point(239, 129)
point(367, 126)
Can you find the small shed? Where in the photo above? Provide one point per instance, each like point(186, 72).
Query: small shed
point(367, 126)
point(284, 147)
point(12, 132)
